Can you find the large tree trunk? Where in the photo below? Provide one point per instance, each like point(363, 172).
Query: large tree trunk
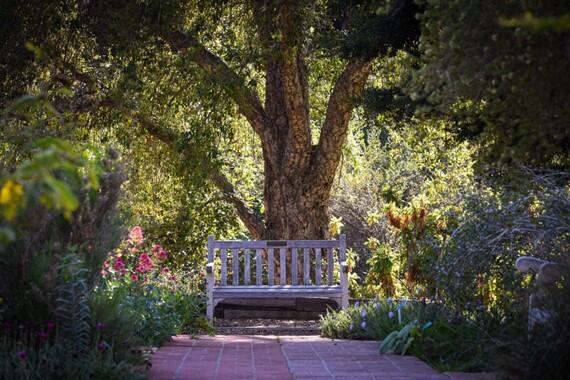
point(293, 211)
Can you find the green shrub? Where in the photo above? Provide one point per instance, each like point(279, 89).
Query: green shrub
point(371, 320)
point(451, 342)
point(54, 362)
point(400, 341)
point(544, 353)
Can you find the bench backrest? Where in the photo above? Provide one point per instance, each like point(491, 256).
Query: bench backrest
point(287, 262)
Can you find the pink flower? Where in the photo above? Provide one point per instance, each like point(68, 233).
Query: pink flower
point(173, 278)
point(165, 271)
point(145, 263)
point(134, 250)
point(119, 264)
point(22, 355)
point(159, 252)
point(136, 235)
point(134, 277)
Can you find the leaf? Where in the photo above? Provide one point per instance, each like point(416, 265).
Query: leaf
point(24, 103)
point(407, 346)
point(62, 194)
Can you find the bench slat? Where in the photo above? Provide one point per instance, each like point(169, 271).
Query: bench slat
point(258, 267)
point(306, 267)
point(330, 266)
point(294, 269)
point(263, 244)
point(235, 266)
point(270, 267)
point(224, 274)
point(246, 267)
point(277, 291)
point(318, 270)
point(283, 266)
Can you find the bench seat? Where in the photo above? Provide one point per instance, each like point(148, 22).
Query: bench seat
point(277, 291)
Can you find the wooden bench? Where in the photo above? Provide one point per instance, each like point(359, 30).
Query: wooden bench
point(276, 269)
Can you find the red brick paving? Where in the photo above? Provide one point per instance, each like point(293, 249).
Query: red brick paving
point(220, 357)
point(320, 358)
point(283, 358)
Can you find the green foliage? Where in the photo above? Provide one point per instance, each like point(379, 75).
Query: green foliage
point(504, 86)
point(372, 320)
point(497, 226)
point(400, 182)
point(48, 175)
point(429, 331)
point(399, 342)
point(544, 352)
point(53, 361)
point(72, 307)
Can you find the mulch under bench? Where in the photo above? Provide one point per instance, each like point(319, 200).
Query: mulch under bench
point(266, 327)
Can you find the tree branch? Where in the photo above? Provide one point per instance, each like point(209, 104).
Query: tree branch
point(254, 224)
point(347, 90)
point(247, 100)
point(293, 74)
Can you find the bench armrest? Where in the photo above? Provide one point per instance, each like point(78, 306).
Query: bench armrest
point(344, 267)
point(210, 268)
point(527, 264)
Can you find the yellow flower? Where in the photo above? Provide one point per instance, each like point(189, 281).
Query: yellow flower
point(11, 196)
point(11, 192)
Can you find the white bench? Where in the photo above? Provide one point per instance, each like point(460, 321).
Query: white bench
point(276, 269)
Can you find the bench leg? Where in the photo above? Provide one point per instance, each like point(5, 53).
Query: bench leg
point(210, 312)
point(210, 297)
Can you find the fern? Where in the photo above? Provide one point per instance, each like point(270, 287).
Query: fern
point(72, 311)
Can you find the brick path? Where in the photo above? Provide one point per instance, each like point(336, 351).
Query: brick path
point(220, 357)
point(283, 358)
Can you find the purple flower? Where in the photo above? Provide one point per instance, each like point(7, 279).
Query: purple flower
point(376, 306)
point(101, 346)
point(363, 325)
point(43, 334)
point(357, 304)
point(50, 326)
point(363, 313)
point(101, 326)
point(22, 355)
point(391, 315)
point(351, 326)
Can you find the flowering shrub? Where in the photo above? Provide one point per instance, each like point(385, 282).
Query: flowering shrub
point(137, 273)
point(368, 320)
point(138, 261)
